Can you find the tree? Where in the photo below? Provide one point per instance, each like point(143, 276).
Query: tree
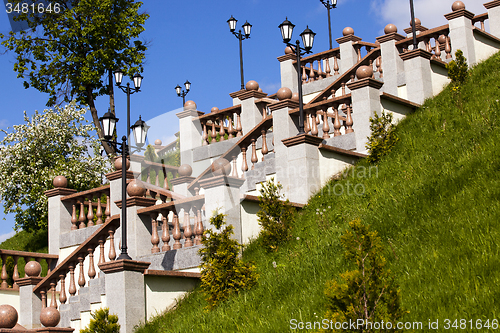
point(383, 136)
point(67, 54)
point(368, 292)
point(102, 322)
point(222, 271)
point(55, 142)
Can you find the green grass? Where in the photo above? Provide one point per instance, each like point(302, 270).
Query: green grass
point(434, 200)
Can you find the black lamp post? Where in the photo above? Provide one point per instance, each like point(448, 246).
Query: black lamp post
point(246, 34)
point(126, 89)
point(329, 4)
point(413, 28)
point(140, 130)
point(308, 40)
point(183, 93)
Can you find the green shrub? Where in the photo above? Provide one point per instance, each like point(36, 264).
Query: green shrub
point(102, 322)
point(222, 271)
point(458, 69)
point(383, 136)
point(275, 216)
point(368, 292)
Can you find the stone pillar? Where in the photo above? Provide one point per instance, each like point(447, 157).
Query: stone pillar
point(303, 166)
point(250, 113)
point(392, 64)
point(284, 126)
point(288, 70)
point(348, 55)
point(418, 75)
point(461, 35)
point(59, 219)
point(189, 132)
point(29, 302)
point(222, 193)
point(493, 8)
point(125, 293)
point(365, 96)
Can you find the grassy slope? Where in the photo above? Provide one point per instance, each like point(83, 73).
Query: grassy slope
point(436, 203)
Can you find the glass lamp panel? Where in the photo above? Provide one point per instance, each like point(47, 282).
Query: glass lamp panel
point(286, 30)
point(334, 3)
point(178, 90)
point(118, 76)
point(308, 38)
point(187, 84)
point(232, 23)
point(137, 81)
point(246, 28)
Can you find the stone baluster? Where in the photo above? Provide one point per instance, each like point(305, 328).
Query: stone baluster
point(112, 251)
point(214, 133)
point(335, 66)
point(230, 130)
point(234, 172)
point(320, 72)
point(72, 285)
point(155, 240)
point(254, 154)
point(4, 275)
point(176, 233)
point(343, 88)
point(348, 123)
point(200, 227)
point(196, 190)
point(53, 302)
point(90, 214)
point(447, 47)
point(108, 208)
point(314, 129)
point(437, 48)
point(188, 233)
point(81, 275)
point(74, 220)
point(482, 25)
point(102, 258)
point(15, 275)
point(99, 209)
point(304, 75)
point(239, 128)
point(358, 51)
point(326, 126)
point(318, 119)
point(62, 294)
point(157, 177)
point(327, 68)
point(43, 294)
point(244, 166)
point(165, 235)
point(427, 42)
point(311, 73)
point(92, 271)
point(336, 122)
point(205, 134)
point(264, 150)
point(307, 128)
point(165, 180)
point(352, 77)
point(49, 265)
point(333, 92)
point(81, 218)
point(222, 132)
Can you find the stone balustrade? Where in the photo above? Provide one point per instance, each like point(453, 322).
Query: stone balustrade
point(157, 173)
point(440, 48)
point(221, 122)
point(88, 209)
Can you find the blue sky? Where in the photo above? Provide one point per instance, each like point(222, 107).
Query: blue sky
point(190, 40)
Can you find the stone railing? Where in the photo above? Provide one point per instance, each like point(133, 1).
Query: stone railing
point(323, 67)
point(88, 210)
point(20, 258)
point(480, 18)
point(439, 35)
point(181, 220)
point(64, 273)
point(221, 122)
point(153, 171)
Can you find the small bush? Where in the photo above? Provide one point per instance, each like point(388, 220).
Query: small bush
point(275, 216)
point(383, 136)
point(102, 322)
point(222, 271)
point(458, 69)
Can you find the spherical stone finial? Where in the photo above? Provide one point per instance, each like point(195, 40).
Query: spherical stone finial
point(295, 96)
point(214, 109)
point(32, 268)
point(185, 170)
point(221, 166)
point(348, 31)
point(390, 28)
point(252, 85)
point(8, 316)
point(60, 182)
point(284, 93)
point(260, 89)
point(50, 317)
point(457, 5)
point(417, 22)
point(190, 105)
point(288, 50)
point(363, 72)
point(118, 163)
point(158, 142)
point(442, 39)
point(135, 189)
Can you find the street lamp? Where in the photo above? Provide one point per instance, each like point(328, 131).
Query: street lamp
point(413, 28)
point(308, 40)
point(126, 89)
point(183, 93)
point(140, 129)
point(329, 4)
point(246, 34)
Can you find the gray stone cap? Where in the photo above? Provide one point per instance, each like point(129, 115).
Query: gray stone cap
point(459, 13)
point(492, 4)
point(156, 272)
point(348, 38)
point(59, 191)
point(189, 113)
point(124, 265)
point(391, 36)
point(342, 151)
point(418, 53)
point(302, 139)
point(399, 100)
point(221, 180)
point(366, 82)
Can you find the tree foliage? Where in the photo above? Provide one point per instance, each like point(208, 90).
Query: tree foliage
point(275, 215)
point(55, 142)
point(383, 136)
point(222, 271)
point(67, 54)
point(368, 292)
point(102, 322)
point(458, 69)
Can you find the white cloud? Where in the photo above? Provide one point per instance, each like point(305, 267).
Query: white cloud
point(430, 12)
point(7, 236)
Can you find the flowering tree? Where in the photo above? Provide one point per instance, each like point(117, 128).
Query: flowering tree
point(55, 142)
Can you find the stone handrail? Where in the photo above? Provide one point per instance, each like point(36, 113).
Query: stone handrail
point(83, 200)
point(15, 255)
